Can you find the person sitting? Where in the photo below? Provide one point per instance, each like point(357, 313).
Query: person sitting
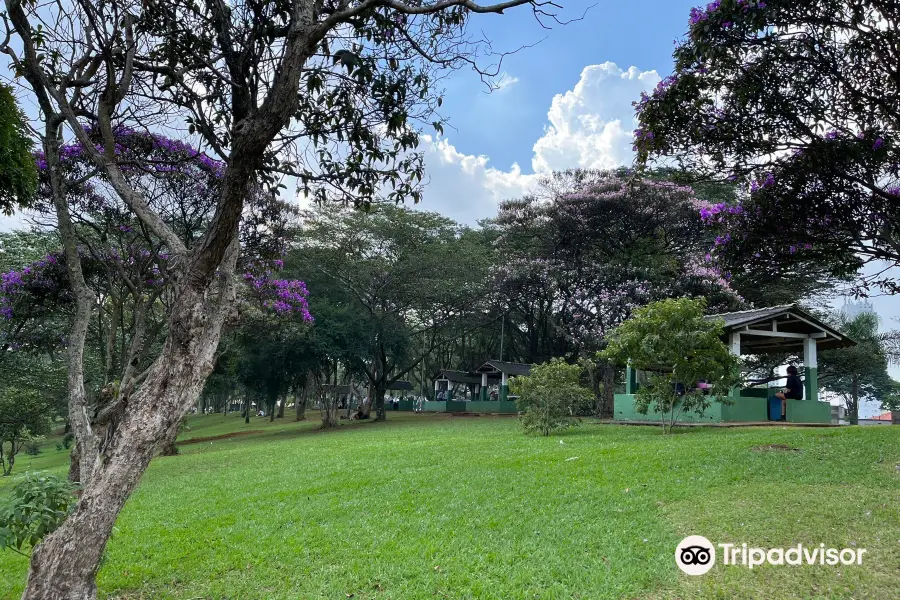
point(793, 390)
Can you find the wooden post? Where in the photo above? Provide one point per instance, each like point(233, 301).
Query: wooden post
point(504, 387)
point(484, 386)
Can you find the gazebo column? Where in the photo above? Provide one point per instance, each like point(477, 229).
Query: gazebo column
point(734, 344)
point(437, 388)
point(630, 380)
point(811, 368)
point(504, 387)
point(484, 385)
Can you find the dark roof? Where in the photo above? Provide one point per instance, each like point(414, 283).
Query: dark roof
point(789, 319)
point(496, 366)
point(459, 376)
point(401, 385)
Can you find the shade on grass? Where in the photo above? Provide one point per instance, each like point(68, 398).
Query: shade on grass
point(430, 506)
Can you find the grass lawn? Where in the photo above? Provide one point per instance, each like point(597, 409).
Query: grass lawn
point(431, 506)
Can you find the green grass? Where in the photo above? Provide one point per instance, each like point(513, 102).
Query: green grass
point(430, 506)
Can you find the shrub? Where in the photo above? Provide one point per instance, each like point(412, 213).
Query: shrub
point(673, 341)
point(33, 444)
point(549, 396)
point(68, 439)
point(37, 505)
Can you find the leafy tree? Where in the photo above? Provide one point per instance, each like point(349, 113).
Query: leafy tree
point(575, 260)
point(859, 371)
point(550, 396)
point(36, 506)
point(330, 92)
point(798, 102)
point(18, 175)
point(23, 414)
point(412, 280)
point(673, 341)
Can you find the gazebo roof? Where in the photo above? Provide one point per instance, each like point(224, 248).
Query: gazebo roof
point(496, 366)
point(458, 376)
point(780, 329)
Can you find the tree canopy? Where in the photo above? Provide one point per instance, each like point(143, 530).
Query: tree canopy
point(796, 102)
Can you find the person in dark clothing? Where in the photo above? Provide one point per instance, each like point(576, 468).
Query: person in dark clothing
point(793, 390)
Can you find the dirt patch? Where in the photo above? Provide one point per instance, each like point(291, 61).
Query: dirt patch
point(224, 436)
point(774, 448)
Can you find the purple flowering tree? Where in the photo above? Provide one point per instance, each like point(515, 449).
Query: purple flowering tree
point(330, 92)
point(577, 259)
point(796, 102)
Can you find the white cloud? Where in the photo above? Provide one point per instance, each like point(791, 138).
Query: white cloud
point(504, 81)
point(8, 223)
point(589, 126)
point(463, 186)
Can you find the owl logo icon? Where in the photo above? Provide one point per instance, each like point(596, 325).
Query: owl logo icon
point(695, 555)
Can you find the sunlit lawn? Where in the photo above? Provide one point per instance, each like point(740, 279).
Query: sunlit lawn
point(431, 506)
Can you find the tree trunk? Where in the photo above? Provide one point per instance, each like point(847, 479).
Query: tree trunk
point(64, 566)
point(300, 405)
point(380, 413)
point(854, 408)
point(281, 406)
point(607, 406)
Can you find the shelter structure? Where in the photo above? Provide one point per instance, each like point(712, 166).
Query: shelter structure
point(780, 329)
point(505, 370)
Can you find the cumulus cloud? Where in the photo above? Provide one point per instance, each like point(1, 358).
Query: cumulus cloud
point(464, 187)
point(589, 126)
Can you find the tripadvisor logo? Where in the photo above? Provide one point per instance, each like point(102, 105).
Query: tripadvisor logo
point(696, 555)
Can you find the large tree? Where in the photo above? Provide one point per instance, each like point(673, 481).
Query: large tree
point(415, 281)
point(799, 101)
point(578, 257)
point(329, 91)
point(18, 175)
point(858, 372)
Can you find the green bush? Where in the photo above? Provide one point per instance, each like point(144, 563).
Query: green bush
point(675, 344)
point(33, 444)
point(68, 440)
point(37, 505)
point(549, 398)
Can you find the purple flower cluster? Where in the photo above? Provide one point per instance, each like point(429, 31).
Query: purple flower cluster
point(283, 296)
point(769, 181)
point(14, 281)
point(717, 212)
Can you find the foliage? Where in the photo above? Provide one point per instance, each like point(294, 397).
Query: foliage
point(33, 444)
point(549, 396)
point(23, 414)
point(38, 504)
point(673, 341)
point(860, 371)
point(18, 175)
point(797, 102)
point(576, 259)
point(396, 284)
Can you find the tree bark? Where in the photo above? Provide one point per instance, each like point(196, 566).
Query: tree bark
point(854, 408)
point(380, 412)
point(64, 566)
point(607, 406)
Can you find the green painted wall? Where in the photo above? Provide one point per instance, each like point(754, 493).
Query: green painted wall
point(624, 410)
point(497, 406)
point(743, 410)
point(439, 406)
point(805, 411)
point(811, 384)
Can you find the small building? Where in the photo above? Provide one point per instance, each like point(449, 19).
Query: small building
point(780, 329)
point(448, 385)
point(505, 370)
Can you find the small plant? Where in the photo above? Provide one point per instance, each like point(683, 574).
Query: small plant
point(59, 447)
point(550, 395)
point(68, 440)
point(37, 505)
point(33, 444)
point(678, 347)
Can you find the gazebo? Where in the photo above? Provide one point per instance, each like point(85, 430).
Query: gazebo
point(505, 370)
point(779, 329)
